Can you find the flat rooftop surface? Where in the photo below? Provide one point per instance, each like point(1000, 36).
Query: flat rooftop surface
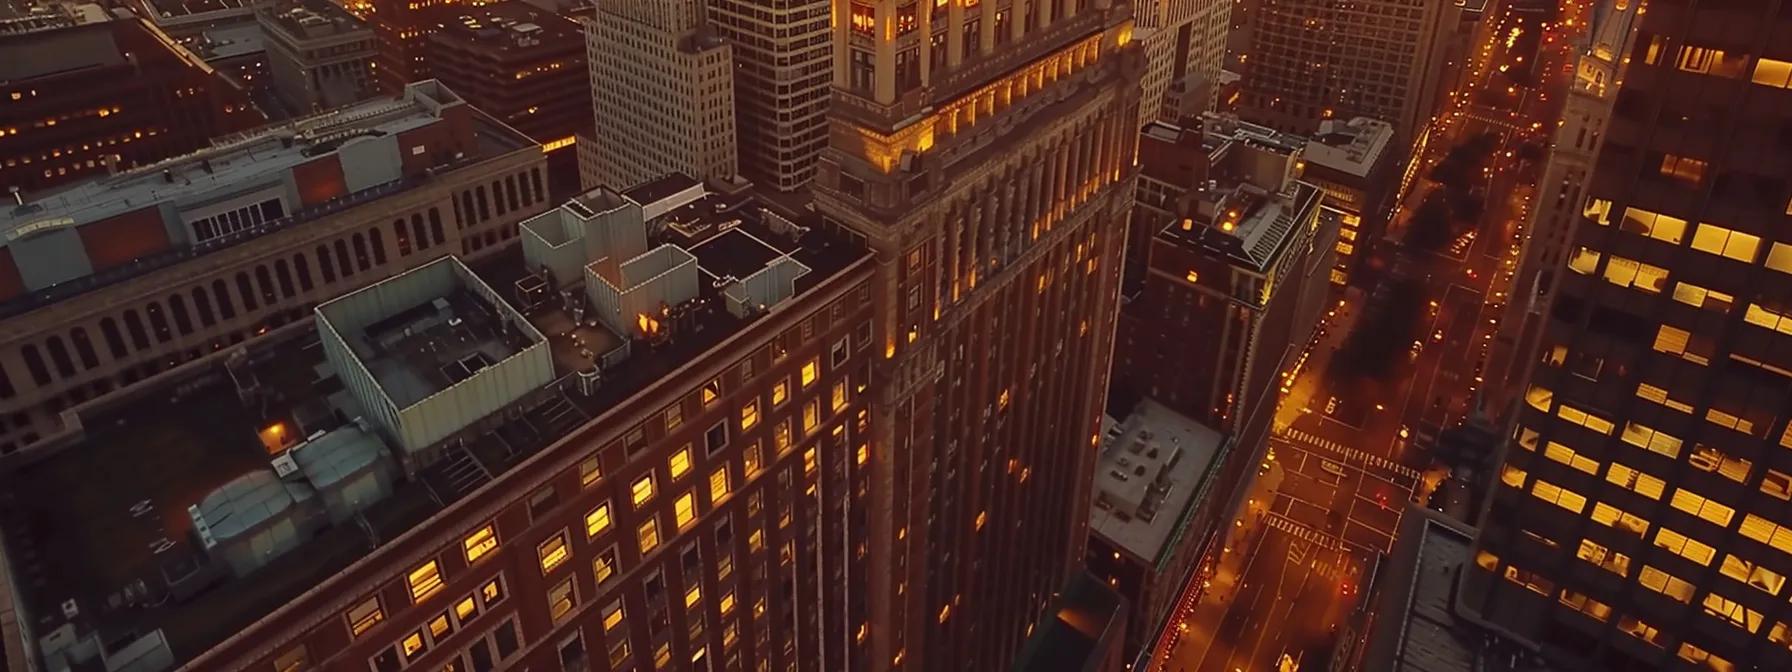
point(1184, 449)
point(1430, 641)
point(426, 349)
point(104, 521)
point(734, 253)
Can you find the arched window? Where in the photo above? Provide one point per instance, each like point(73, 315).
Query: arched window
point(361, 252)
point(245, 291)
point(342, 261)
point(65, 367)
point(134, 324)
point(379, 245)
point(323, 264)
point(203, 306)
point(114, 343)
point(302, 267)
point(158, 322)
point(417, 231)
point(221, 294)
point(266, 282)
point(403, 236)
point(284, 275)
point(177, 305)
point(435, 227)
point(35, 363)
point(83, 347)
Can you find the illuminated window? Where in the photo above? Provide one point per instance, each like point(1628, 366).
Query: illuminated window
point(1654, 225)
point(561, 599)
point(1600, 611)
point(838, 400)
point(1636, 481)
point(295, 659)
point(1629, 273)
point(604, 567)
point(1566, 455)
point(692, 596)
point(1642, 436)
point(1777, 484)
point(811, 416)
point(1603, 558)
point(864, 19)
point(710, 393)
point(680, 463)
point(864, 453)
point(424, 581)
point(1711, 459)
point(1674, 341)
point(749, 415)
point(674, 417)
point(643, 487)
point(1559, 496)
point(1761, 578)
point(1599, 210)
point(363, 616)
point(412, 644)
point(1732, 611)
point(440, 626)
point(598, 520)
point(1698, 505)
point(481, 542)
point(465, 609)
point(1762, 317)
point(552, 552)
point(1769, 72)
point(1729, 421)
point(718, 484)
point(612, 615)
point(750, 459)
point(756, 540)
point(1684, 546)
point(648, 534)
point(726, 604)
point(1767, 532)
point(1660, 396)
point(1779, 257)
point(1683, 168)
point(1584, 419)
point(1714, 239)
point(1611, 516)
point(1584, 260)
point(1539, 397)
point(811, 370)
point(1700, 297)
point(811, 461)
point(1665, 583)
point(781, 436)
point(780, 392)
point(684, 510)
point(589, 471)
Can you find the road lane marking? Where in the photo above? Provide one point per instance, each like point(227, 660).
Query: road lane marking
point(1301, 531)
point(1299, 437)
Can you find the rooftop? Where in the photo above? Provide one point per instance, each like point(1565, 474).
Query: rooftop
point(1082, 624)
point(505, 29)
point(262, 159)
point(1253, 198)
point(1355, 147)
point(104, 521)
point(1152, 464)
point(310, 19)
point(175, 9)
point(230, 42)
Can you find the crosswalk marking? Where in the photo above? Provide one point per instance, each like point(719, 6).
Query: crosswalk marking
point(1349, 454)
point(1303, 532)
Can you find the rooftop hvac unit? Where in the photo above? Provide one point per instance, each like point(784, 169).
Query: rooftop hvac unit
point(201, 528)
point(589, 380)
point(284, 465)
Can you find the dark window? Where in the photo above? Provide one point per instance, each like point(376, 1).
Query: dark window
point(302, 266)
point(177, 305)
point(510, 191)
point(6, 388)
point(271, 210)
point(84, 347)
point(221, 294)
point(266, 282)
point(435, 229)
point(482, 656)
point(403, 236)
point(535, 181)
point(34, 362)
point(417, 230)
point(203, 306)
point(65, 367)
point(466, 207)
point(134, 324)
point(716, 438)
point(158, 323)
point(323, 264)
point(386, 660)
point(342, 261)
point(244, 290)
point(484, 214)
point(379, 245)
point(284, 275)
point(542, 502)
point(114, 343)
point(498, 197)
point(361, 252)
point(506, 640)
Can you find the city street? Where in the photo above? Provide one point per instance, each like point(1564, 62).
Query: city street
point(1349, 454)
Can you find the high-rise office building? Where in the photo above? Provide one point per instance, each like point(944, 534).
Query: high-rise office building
point(1640, 519)
point(1312, 60)
point(662, 85)
point(1185, 47)
point(523, 65)
point(783, 65)
point(82, 101)
point(319, 55)
point(986, 152)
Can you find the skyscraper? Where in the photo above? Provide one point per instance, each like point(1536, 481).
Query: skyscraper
point(985, 150)
point(1641, 516)
point(1185, 46)
point(781, 84)
point(663, 89)
point(1311, 60)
